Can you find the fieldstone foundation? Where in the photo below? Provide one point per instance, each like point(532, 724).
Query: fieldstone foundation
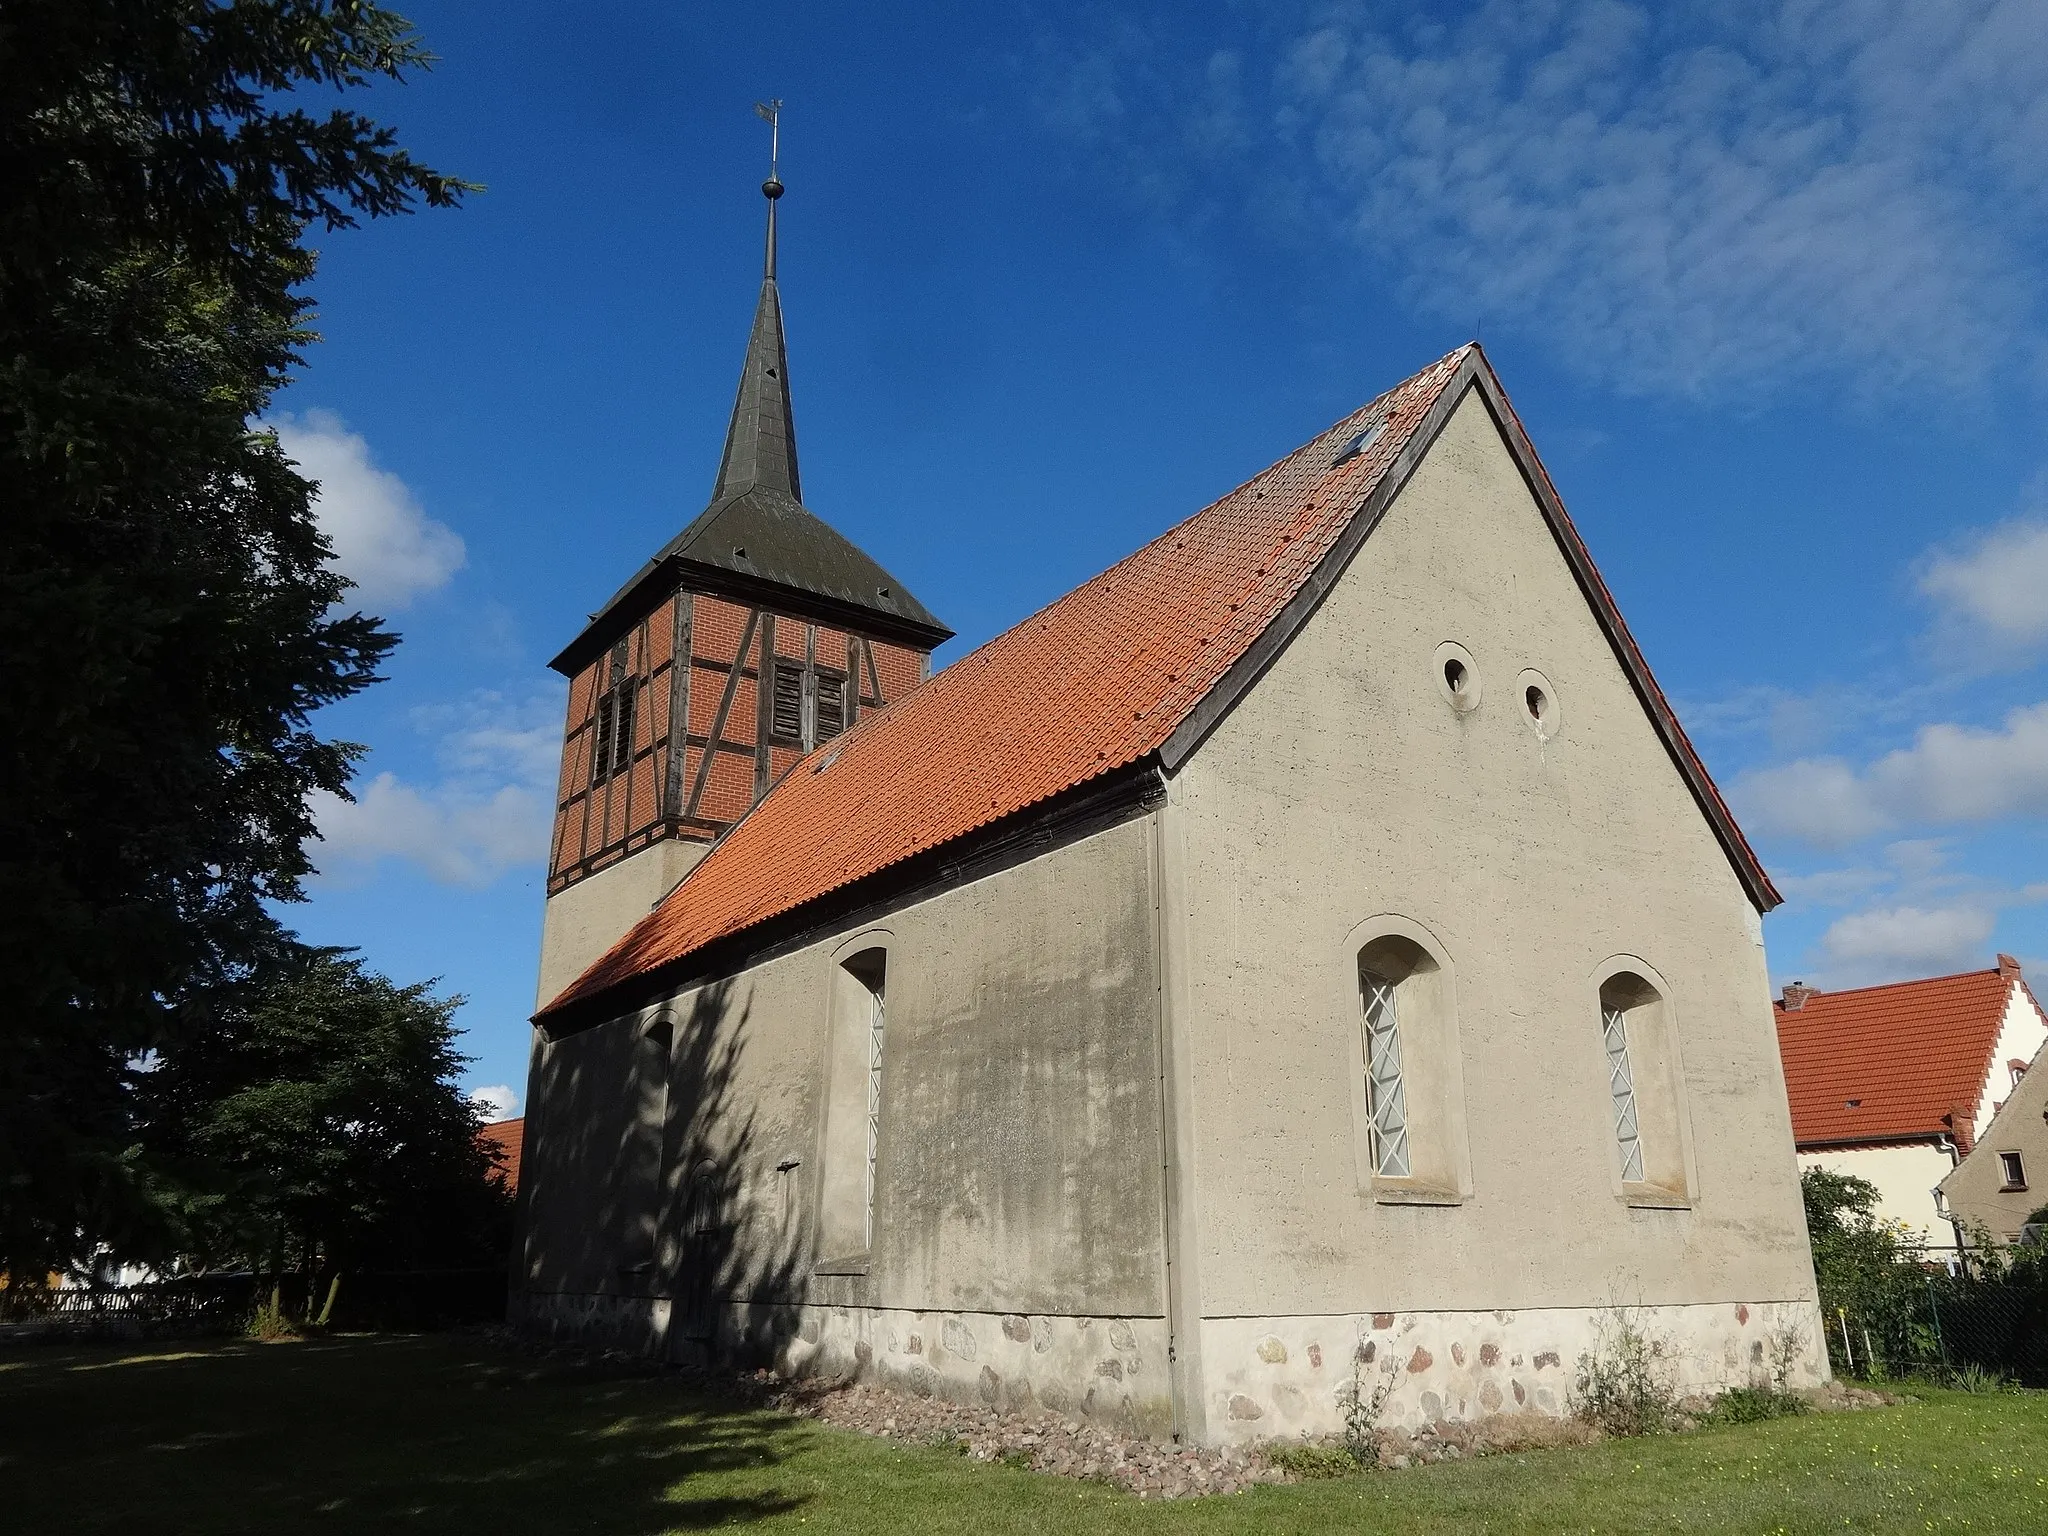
point(1271, 1377)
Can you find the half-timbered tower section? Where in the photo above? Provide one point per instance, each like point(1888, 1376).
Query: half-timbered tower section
point(756, 635)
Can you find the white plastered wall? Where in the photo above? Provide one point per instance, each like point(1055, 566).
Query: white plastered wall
point(1017, 1239)
point(592, 915)
point(1905, 1177)
point(1344, 785)
point(2020, 1036)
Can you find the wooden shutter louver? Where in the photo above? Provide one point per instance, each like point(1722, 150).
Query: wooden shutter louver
point(788, 717)
point(601, 746)
point(831, 706)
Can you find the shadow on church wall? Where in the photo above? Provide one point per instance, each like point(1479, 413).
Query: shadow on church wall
point(647, 1208)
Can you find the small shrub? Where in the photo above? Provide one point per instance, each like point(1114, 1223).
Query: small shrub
point(1625, 1382)
point(1309, 1462)
point(1786, 1344)
point(268, 1324)
point(1974, 1378)
point(1362, 1403)
point(1016, 1459)
point(1753, 1405)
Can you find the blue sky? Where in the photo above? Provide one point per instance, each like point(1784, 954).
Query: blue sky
point(1768, 283)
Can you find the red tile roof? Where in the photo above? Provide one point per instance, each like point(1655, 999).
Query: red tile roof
point(507, 1136)
point(1097, 681)
point(1887, 1063)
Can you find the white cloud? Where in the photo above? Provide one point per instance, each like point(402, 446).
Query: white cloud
point(496, 1101)
point(1951, 774)
point(456, 837)
point(1888, 943)
point(1683, 197)
point(383, 540)
point(1830, 887)
point(487, 814)
point(1995, 586)
point(1817, 800)
point(1686, 204)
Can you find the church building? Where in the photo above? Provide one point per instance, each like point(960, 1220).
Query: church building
point(1309, 951)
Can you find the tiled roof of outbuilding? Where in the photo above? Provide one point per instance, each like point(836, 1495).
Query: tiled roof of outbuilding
point(1117, 670)
point(1887, 1063)
point(509, 1138)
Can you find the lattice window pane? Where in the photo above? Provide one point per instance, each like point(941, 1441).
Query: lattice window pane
point(1621, 1088)
point(1387, 1103)
point(875, 1033)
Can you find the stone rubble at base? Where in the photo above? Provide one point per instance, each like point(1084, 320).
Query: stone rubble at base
point(1150, 1469)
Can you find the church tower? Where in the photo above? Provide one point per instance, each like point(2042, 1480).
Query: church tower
point(754, 636)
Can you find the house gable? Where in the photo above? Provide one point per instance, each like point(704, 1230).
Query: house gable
point(1979, 1191)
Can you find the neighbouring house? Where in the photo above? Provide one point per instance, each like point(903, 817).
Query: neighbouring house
point(1310, 947)
point(2004, 1178)
point(1896, 1084)
point(506, 1137)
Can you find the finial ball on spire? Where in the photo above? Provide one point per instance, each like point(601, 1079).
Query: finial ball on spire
point(771, 189)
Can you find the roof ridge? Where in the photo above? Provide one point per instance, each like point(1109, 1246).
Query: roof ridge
point(1883, 986)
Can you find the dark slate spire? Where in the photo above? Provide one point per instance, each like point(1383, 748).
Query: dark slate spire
point(757, 533)
point(760, 445)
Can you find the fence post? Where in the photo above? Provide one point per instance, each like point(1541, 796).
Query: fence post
point(1848, 1354)
point(1940, 1343)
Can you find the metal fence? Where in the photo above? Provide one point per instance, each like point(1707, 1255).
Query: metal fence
point(1938, 1323)
point(404, 1301)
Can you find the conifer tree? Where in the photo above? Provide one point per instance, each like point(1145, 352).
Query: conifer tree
point(169, 617)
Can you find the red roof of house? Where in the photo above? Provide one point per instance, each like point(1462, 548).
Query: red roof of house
point(1099, 680)
point(1888, 1063)
point(507, 1136)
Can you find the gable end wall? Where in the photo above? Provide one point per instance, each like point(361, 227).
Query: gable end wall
point(1344, 786)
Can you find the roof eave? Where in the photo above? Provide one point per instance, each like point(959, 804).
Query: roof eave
point(672, 572)
point(1107, 799)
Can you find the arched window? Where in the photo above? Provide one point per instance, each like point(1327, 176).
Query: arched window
point(1645, 1112)
point(1621, 1090)
point(1387, 1104)
point(647, 1100)
point(853, 1111)
point(1408, 1083)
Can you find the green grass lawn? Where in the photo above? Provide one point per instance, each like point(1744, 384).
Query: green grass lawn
point(448, 1433)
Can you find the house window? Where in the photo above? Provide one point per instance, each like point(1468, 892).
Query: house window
point(855, 1081)
point(1621, 1092)
point(788, 701)
point(1386, 1103)
point(2013, 1170)
point(831, 706)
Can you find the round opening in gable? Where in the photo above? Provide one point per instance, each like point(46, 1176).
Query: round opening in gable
point(1457, 677)
point(1539, 704)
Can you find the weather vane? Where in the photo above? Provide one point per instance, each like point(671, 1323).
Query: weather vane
point(770, 112)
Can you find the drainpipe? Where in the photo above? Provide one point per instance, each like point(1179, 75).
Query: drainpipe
point(1178, 1238)
point(1955, 1158)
